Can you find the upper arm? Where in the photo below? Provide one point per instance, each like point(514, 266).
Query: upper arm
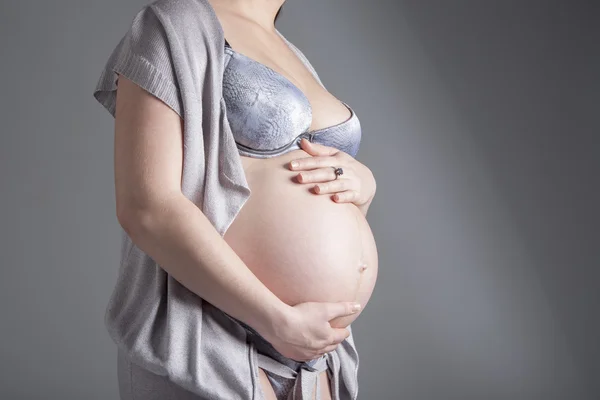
point(148, 149)
point(139, 87)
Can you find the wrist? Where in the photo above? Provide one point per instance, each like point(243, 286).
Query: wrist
point(269, 320)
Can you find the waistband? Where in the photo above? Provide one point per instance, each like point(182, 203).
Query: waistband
point(304, 374)
point(263, 346)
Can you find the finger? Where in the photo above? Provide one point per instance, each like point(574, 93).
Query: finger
point(328, 185)
point(317, 149)
point(340, 309)
point(338, 336)
point(326, 175)
point(300, 163)
point(328, 349)
point(347, 196)
point(313, 162)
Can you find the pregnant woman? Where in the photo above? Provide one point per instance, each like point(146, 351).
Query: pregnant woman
point(279, 272)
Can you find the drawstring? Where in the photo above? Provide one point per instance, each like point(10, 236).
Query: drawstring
point(304, 380)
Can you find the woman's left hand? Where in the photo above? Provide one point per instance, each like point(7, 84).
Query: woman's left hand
point(356, 185)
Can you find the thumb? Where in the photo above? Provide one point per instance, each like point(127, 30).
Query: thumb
point(340, 334)
point(317, 149)
point(341, 309)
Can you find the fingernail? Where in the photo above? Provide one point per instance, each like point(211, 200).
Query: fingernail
point(294, 164)
point(355, 307)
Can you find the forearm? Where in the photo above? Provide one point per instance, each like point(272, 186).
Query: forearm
point(179, 237)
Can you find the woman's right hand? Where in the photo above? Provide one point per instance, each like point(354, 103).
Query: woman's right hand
point(304, 332)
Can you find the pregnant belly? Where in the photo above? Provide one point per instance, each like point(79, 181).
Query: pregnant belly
point(302, 246)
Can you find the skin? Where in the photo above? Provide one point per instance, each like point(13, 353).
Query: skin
point(357, 185)
point(331, 239)
point(162, 222)
point(249, 29)
point(166, 225)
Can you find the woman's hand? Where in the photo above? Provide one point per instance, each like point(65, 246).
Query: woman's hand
point(304, 333)
point(356, 185)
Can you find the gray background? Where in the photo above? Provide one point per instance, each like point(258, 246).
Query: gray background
point(480, 123)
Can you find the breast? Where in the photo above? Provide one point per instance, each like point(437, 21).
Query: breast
point(302, 246)
point(265, 110)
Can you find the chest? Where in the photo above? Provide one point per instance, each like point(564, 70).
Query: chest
point(269, 113)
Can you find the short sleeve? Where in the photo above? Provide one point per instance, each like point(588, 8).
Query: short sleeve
point(143, 55)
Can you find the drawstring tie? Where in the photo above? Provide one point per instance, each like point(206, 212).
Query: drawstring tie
point(304, 380)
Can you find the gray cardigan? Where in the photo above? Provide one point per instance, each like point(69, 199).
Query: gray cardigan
point(174, 49)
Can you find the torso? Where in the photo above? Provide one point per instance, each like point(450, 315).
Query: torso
point(301, 245)
point(251, 40)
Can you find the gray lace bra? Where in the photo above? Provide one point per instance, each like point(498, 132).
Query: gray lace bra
point(269, 115)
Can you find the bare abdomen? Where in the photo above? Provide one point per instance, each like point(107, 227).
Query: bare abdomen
point(302, 246)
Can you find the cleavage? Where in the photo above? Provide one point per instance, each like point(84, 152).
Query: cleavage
point(299, 91)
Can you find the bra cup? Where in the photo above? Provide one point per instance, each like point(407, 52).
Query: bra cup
point(268, 114)
point(345, 137)
point(265, 111)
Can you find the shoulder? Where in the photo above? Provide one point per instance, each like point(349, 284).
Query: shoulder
point(164, 40)
point(182, 29)
point(180, 5)
point(185, 15)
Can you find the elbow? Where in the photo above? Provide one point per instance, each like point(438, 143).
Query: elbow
point(134, 220)
point(142, 217)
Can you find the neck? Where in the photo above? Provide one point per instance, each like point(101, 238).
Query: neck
point(261, 11)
